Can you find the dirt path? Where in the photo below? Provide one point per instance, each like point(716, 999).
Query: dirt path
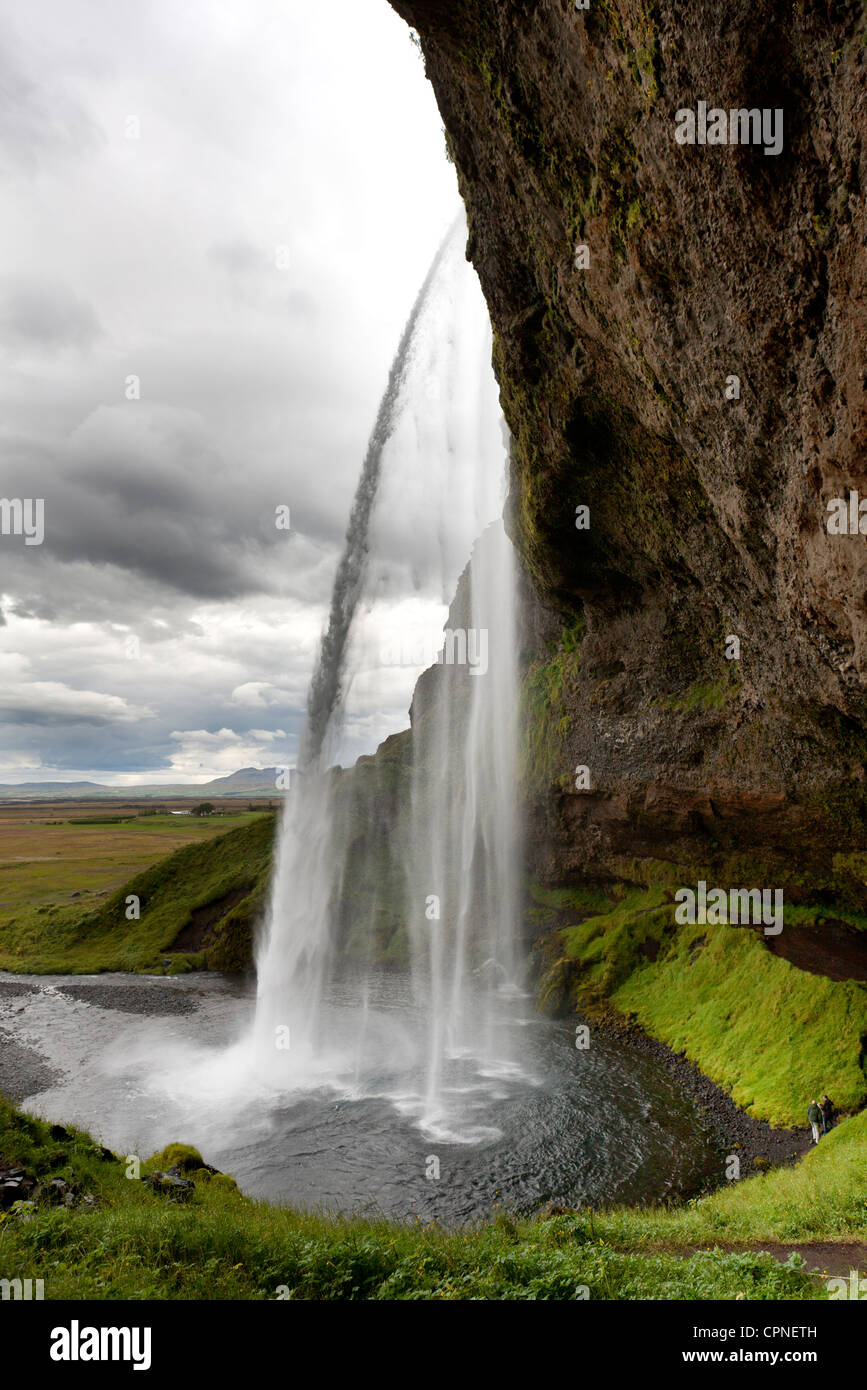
point(825, 1258)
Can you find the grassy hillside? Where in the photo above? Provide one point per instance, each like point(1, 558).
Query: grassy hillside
point(134, 1243)
point(212, 892)
point(770, 1034)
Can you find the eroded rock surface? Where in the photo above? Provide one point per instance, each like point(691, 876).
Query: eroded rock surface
point(708, 515)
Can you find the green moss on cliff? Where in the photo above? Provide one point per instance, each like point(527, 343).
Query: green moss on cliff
point(767, 1032)
point(370, 802)
point(773, 1035)
point(231, 947)
point(703, 695)
point(546, 697)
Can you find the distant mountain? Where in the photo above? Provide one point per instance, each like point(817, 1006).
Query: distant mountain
point(259, 779)
point(249, 781)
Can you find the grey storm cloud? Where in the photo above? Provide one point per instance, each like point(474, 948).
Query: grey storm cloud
point(156, 257)
point(63, 718)
point(238, 257)
point(38, 124)
point(45, 315)
point(143, 489)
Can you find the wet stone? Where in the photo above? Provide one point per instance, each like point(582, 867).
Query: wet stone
point(171, 1185)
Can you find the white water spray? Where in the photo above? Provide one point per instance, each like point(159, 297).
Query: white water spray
point(463, 862)
point(458, 838)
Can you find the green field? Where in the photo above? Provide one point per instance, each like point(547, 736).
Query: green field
point(64, 888)
point(50, 853)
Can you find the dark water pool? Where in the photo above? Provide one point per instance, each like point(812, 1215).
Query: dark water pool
point(142, 1062)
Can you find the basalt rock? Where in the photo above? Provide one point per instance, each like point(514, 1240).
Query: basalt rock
point(708, 498)
point(170, 1185)
point(15, 1186)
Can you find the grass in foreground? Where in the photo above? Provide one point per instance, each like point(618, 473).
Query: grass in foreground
point(136, 1244)
point(823, 1197)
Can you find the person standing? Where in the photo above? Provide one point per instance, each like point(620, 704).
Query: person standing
point(814, 1115)
point(828, 1113)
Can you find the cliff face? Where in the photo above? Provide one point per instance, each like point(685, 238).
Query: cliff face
point(708, 510)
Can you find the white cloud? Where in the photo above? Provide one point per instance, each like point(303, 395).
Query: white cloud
point(261, 695)
point(26, 701)
point(226, 751)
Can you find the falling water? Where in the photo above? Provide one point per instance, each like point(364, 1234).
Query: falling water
point(295, 954)
point(326, 687)
point(462, 864)
point(457, 840)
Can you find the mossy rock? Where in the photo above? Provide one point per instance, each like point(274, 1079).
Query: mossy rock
point(224, 1182)
point(231, 949)
point(181, 1156)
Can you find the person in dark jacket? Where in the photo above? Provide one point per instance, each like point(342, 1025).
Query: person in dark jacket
point(814, 1115)
point(829, 1114)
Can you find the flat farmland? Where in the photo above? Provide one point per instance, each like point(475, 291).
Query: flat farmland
point(56, 853)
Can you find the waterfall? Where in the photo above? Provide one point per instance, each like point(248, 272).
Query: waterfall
point(463, 861)
point(457, 840)
point(293, 959)
point(326, 687)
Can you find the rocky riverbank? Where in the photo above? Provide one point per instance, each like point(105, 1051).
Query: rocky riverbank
point(757, 1144)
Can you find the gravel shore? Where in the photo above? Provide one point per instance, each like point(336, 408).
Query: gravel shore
point(732, 1129)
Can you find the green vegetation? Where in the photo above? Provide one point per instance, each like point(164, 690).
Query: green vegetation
point(216, 888)
point(768, 1033)
point(199, 906)
point(546, 696)
point(369, 803)
point(618, 168)
point(771, 1034)
point(133, 1243)
point(43, 862)
point(822, 1198)
point(182, 1156)
point(702, 695)
point(101, 820)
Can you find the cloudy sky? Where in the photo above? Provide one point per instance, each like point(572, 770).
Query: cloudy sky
point(216, 218)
